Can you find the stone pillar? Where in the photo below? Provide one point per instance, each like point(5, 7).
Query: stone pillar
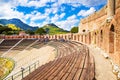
point(110, 9)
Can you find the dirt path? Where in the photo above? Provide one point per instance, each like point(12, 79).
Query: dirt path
point(103, 66)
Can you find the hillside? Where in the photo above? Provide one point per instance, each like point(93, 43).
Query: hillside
point(18, 23)
point(53, 29)
point(13, 27)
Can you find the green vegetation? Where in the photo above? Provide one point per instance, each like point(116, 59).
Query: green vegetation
point(6, 66)
point(54, 30)
point(9, 29)
point(40, 31)
point(74, 30)
point(30, 32)
point(50, 29)
point(13, 27)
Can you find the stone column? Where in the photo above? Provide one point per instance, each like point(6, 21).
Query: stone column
point(110, 9)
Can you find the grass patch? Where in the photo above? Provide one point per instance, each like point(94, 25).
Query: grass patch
point(6, 66)
point(55, 30)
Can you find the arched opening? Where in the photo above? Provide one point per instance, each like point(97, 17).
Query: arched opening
point(65, 37)
point(101, 36)
point(74, 37)
point(85, 39)
point(81, 38)
point(95, 37)
point(78, 37)
point(111, 39)
point(89, 38)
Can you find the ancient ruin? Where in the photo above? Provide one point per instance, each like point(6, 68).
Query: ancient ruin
point(101, 30)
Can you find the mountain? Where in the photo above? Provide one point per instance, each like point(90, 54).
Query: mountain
point(18, 23)
point(53, 29)
point(52, 24)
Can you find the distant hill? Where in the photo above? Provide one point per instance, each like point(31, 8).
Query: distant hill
point(49, 28)
point(18, 23)
point(53, 29)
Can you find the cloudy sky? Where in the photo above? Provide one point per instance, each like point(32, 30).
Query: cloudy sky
point(64, 13)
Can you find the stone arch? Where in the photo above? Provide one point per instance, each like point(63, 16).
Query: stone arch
point(82, 38)
point(78, 37)
point(95, 37)
point(74, 37)
point(111, 38)
point(101, 36)
point(89, 38)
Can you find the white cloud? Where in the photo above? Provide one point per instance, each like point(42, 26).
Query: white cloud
point(65, 24)
point(62, 8)
point(48, 11)
point(38, 16)
point(77, 3)
point(86, 12)
point(71, 17)
point(57, 3)
point(62, 15)
point(33, 3)
point(91, 3)
point(8, 11)
point(68, 23)
point(33, 24)
point(55, 18)
point(54, 10)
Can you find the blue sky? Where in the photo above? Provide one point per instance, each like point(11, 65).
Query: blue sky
point(64, 13)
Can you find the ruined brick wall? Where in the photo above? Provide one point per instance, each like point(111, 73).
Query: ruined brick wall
point(93, 21)
point(104, 27)
point(117, 4)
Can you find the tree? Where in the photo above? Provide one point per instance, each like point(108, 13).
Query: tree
point(40, 31)
point(30, 32)
point(47, 30)
point(13, 27)
point(1, 25)
point(74, 30)
point(5, 29)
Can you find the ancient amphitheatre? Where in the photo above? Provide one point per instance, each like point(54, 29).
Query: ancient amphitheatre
point(91, 54)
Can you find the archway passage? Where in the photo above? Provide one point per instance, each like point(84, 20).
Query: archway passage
point(95, 38)
point(111, 39)
point(101, 36)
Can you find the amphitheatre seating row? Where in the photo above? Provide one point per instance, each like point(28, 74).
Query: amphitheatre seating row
point(23, 44)
point(71, 63)
point(7, 44)
point(38, 44)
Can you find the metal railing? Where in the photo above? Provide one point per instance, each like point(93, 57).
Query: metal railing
point(23, 72)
